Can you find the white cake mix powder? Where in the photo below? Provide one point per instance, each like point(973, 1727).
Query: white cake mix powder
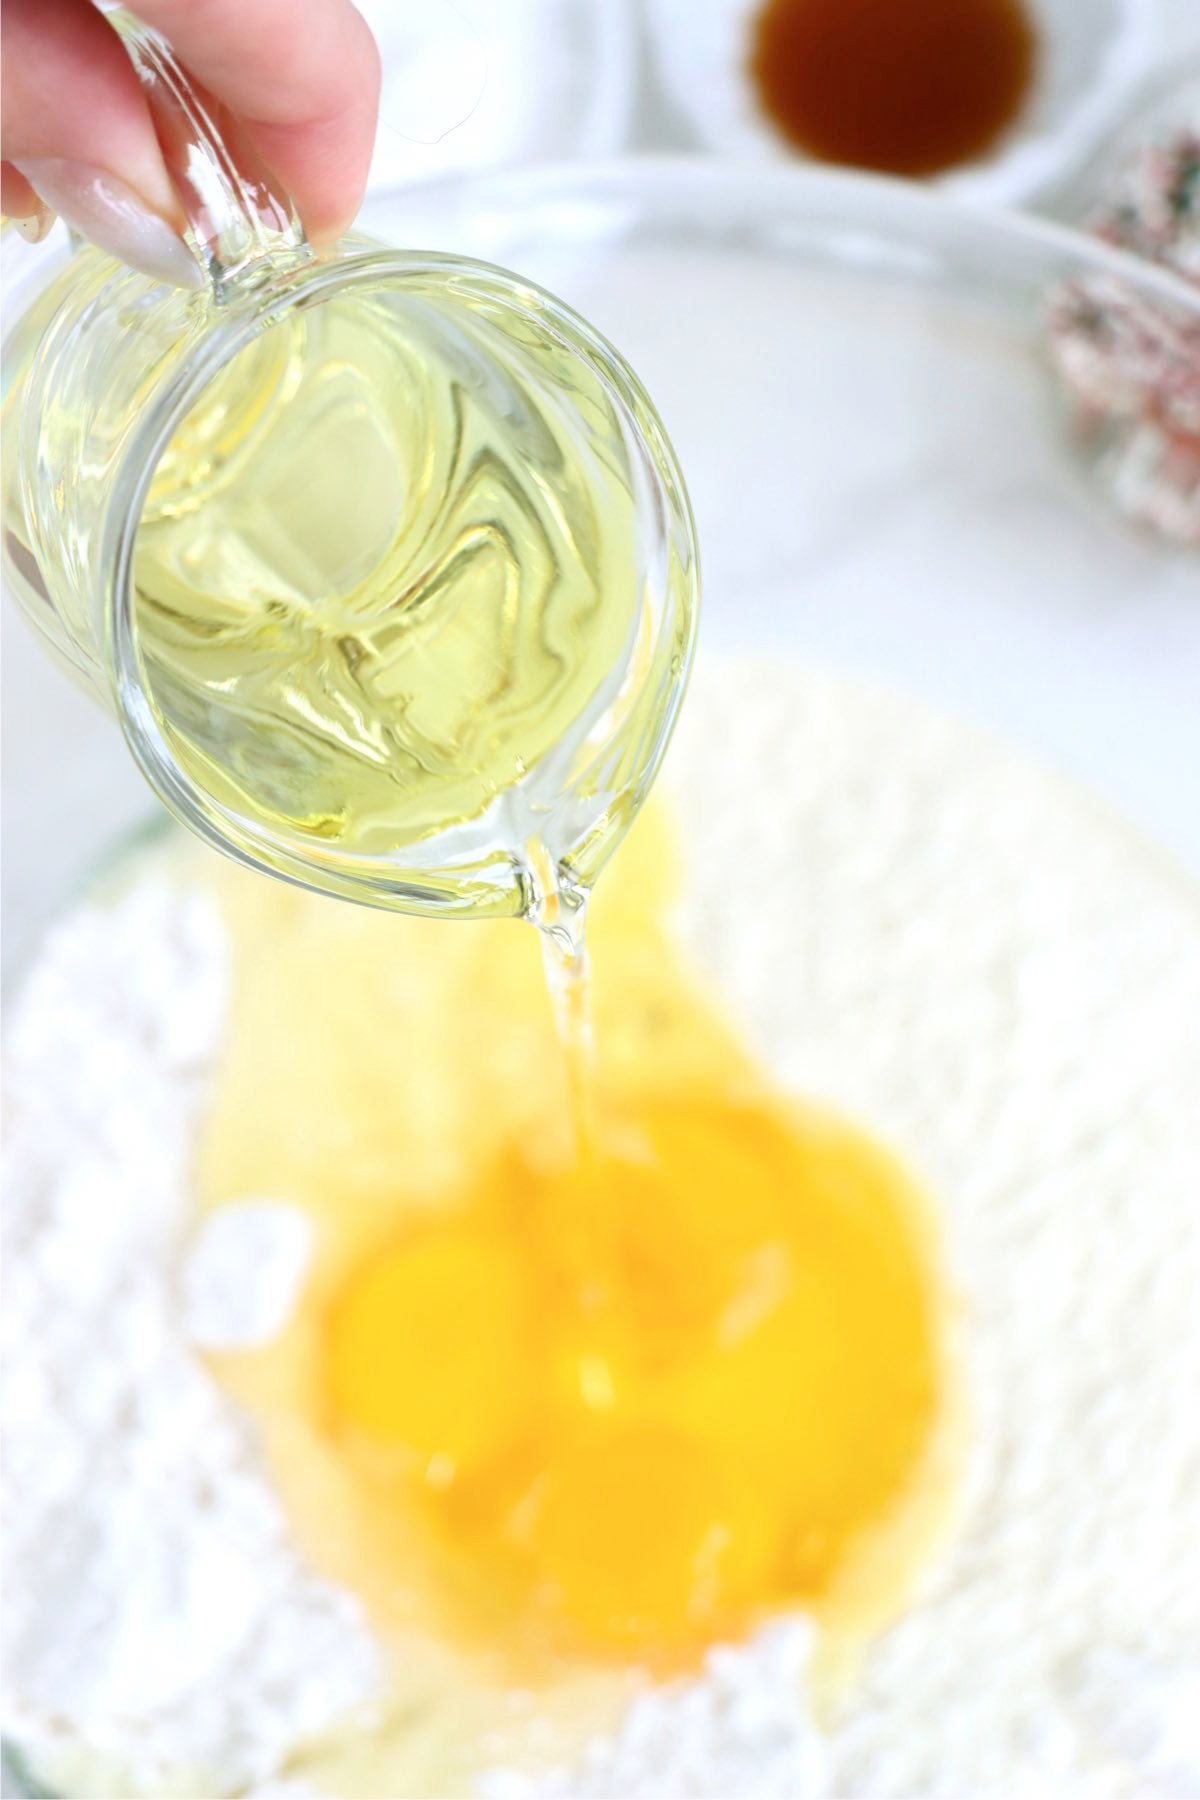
point(154, 1608)
point(917, 929)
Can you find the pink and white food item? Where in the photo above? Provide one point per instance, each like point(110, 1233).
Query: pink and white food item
point(1132, 367)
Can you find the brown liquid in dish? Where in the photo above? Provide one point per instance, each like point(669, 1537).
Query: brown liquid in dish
point(910, 87)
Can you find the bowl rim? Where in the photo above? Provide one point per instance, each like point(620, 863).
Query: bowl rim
point(842, 199)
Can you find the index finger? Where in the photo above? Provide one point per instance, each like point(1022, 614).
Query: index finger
point(303, 76)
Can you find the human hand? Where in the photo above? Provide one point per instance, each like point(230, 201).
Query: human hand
point(77, 138)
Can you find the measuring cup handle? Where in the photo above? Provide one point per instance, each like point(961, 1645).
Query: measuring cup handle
point(238, 216)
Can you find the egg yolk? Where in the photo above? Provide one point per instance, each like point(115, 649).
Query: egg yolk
point(449, 1315)
point(663, 1390)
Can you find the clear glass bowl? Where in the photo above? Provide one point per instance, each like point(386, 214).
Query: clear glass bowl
point(884, 466)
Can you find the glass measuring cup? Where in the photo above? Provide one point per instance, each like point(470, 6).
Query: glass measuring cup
point(136, 412)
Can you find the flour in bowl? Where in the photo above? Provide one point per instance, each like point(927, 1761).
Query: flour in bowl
point(154, 1609)
point(916, 928)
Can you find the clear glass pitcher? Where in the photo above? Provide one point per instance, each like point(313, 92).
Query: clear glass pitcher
point(382, 559)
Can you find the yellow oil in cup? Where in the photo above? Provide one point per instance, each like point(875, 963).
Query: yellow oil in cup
point(383, 559)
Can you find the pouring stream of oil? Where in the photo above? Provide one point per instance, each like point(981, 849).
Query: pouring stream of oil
point(560, 914)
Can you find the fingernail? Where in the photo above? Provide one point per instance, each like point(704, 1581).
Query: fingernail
point(38, 225)
point(109, 212)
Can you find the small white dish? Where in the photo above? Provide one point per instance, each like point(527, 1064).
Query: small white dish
point(1091, 60)
point(478, 84)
